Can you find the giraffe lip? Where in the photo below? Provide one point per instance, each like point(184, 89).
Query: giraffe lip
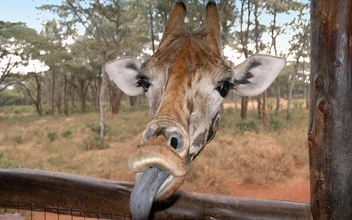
point(144, 192)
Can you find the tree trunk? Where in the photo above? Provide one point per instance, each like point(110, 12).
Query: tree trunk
point(330, 127)
point(264, 116)
point(277, 95)
point(65, 96)
point(101, 102)
point(116, 102)
point(152, 30)
point(53, 91)
point(115, 97)
point(83, 103)
point(306, 95)
point(58, 103)
point(290, 90)
point(38, 102)
point(259, 107)
point(133, 101)
point(289, 100)
point(244, 106)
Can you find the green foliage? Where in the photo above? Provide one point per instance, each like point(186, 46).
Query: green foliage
point(17, 109)
point(10, 97)
point(94, 142)
point(275, 123)
point(51, 135)
point(95, 128)
point(249, 124)
point(73, 109)
point(66, 133)
point(7, 162)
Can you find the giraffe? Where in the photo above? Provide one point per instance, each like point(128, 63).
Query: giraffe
point(186, 80)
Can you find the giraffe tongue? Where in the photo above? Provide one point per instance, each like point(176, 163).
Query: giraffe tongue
point(144, 191)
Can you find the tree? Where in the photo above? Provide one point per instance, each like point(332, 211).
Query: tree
point(81, 72)
point(299, 49)
point(275, 8)
point(15, 51)
point(243, 35)
point(33, 87)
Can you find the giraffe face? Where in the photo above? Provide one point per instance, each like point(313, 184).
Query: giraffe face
point(186, 81)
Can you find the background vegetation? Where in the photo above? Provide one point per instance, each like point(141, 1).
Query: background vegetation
point(49, 117)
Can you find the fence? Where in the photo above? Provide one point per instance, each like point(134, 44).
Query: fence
point(61, 193)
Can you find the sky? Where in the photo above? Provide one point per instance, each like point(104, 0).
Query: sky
point(25, 11)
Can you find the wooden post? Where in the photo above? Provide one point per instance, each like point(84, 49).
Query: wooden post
point(330, 124)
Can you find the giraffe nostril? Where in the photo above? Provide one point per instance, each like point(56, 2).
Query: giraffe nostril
point(174, 143)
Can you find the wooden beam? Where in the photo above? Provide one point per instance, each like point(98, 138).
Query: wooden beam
point(99, 198)
point(330, 122)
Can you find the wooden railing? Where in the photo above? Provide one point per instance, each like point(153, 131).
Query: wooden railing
point(76, 195)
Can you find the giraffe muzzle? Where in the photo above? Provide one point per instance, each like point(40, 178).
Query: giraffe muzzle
point(160, 162)
point(164, 144)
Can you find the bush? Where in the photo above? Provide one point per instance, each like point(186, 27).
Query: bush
point(249, 124)
point(7, 162)
point(51, 135)
point(66, 133)
point(73, 109)
point(275, 124)
point(95, 128)
point(94, 142)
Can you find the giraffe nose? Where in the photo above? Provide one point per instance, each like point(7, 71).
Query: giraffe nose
point(172, 135)
point(173, 132)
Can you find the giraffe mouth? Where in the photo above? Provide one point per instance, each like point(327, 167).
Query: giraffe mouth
point(144, 192)
point(160, 170)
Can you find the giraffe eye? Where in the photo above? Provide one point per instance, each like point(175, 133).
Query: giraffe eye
point(143, 83)
point(224, 88)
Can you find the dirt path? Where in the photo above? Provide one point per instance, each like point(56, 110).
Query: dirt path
point(294, 190)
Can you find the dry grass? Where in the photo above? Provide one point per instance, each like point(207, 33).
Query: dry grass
point(263, 156)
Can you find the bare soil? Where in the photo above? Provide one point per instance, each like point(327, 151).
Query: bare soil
point(296, 189)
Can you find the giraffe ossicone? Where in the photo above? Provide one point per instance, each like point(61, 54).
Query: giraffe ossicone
point(186, 80)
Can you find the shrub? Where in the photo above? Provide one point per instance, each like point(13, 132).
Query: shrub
point(94, 142)
point(275, 124)
point(95, 128)
point(51, 135)
point(7, 162)
point(66, 133)
point(249, 124)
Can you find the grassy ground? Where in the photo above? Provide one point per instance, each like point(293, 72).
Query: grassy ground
point(242, 151)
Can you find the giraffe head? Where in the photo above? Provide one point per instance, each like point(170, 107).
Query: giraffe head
point(186, 81)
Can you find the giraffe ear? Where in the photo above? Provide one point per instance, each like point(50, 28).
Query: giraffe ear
point(255, 74)
point(124, 72)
